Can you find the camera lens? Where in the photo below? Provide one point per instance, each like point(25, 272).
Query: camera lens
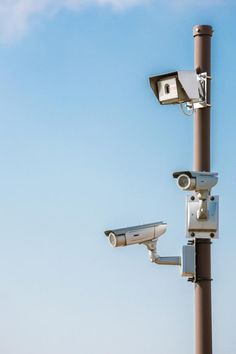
point(183, 181)
point(116, 241)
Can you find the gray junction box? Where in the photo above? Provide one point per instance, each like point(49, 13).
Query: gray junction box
point(188, 264)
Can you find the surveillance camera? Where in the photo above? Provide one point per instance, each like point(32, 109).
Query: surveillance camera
point(198, 181)
point(180, 87)
point(136, 234)
point(201, 183)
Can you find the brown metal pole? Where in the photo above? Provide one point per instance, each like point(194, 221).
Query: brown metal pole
point(203, 320)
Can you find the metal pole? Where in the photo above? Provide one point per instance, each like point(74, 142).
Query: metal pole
point(203, 318)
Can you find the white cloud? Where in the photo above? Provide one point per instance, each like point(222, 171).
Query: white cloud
point(184, 4)
point(16, 16)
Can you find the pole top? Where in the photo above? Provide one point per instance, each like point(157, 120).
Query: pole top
point(202, 30)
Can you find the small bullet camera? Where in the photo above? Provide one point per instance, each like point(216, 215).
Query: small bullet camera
point(197, 181)
point(201, 206)
point(136, 234)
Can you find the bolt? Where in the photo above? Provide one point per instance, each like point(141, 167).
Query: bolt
point(192, 198)
point(192, 234)
point(212, 234)
point(212, 198)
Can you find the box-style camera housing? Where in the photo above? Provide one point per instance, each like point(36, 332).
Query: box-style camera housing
point(180, 87)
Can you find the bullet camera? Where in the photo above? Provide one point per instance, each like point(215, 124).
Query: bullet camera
point(198, 181)
point(136, 234)
point(202, 208)
point(181, 87)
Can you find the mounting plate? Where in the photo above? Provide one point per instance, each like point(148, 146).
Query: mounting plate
point(202, 228)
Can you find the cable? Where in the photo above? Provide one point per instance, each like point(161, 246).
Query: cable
point(186, 108)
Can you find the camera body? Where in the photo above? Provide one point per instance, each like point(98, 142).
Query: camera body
point(197, 181)
point(136, 234)
point(202, 209)
point(177, 87)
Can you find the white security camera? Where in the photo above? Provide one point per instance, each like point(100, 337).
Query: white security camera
point(180, 87)
point(136, 234)
point(202, 206)
point(148, 235)
point(197, 181)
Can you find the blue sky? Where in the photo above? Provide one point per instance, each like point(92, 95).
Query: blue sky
point(86, 146)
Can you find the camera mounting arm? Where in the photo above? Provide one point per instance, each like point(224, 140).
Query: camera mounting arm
point(155, 258)
point(202, 213)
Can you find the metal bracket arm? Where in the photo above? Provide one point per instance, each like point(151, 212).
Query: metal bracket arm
point(155, 258)
point(166, 260)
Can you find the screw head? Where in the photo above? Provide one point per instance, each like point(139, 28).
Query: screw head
point(192, 197)
point(212, 198)
point(192, 234)
point(212, 234)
